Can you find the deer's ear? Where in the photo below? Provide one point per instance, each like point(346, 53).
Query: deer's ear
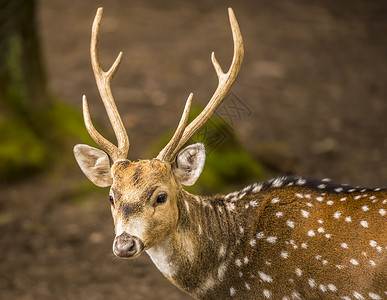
point(189, 163)
point(95, 164)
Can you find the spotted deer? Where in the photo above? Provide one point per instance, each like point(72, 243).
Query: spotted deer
point(285, 238)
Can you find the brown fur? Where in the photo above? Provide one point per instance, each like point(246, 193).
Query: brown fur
point(210, 238)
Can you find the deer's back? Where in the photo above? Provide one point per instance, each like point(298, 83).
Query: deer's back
point(303, 239)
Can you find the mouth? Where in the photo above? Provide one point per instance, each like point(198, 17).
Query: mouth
point(127, 246)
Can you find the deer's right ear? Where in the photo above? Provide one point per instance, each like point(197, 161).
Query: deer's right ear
point(189, 163)
point(95, 164)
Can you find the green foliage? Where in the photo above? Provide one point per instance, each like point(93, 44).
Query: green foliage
point(21, 149)
point(66, 122)
point(31, 145)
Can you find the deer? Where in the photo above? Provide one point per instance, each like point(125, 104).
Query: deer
point(290, 237)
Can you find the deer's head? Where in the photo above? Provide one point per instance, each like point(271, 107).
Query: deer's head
point(144, 194)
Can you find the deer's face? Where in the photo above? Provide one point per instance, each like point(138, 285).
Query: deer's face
point(144, 204)
point(143, 195)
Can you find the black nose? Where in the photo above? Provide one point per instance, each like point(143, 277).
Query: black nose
point(127, 246)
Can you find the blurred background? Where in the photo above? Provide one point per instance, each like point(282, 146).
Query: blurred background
point(311, 99)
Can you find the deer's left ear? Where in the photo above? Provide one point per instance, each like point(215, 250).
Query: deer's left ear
point(189, 163)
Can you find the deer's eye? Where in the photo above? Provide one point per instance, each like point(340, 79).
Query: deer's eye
point(111, 200)
point(162, 198)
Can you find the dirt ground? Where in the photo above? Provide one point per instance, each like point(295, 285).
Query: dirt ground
point(313, 78)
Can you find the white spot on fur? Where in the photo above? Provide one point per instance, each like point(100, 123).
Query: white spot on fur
point(348, 219)
point(298, 272)
point(330, 202)
point(320, 199)
point(230, 206)
point(277, 182)
point(265, 277)
point(257, 188)
point(275, 200)
point(200, 230)
point(311, 233)
point(373, 243)
point(322, 288)
point(207, 285)
point(321, 230)
point(271, 239)
point(290, 223)
point(304, 213)
point(247, 286)
point(284, 254)
point(222, 270)
point(358, 296)
point(253, 242)
point(364, 224)
point(312, 283)
point(260, 235)
point(344, 245)
point(374, 296)
point(354, 262)
point(340, 267)
point(222, 251)
point(382, 212)
point(332, 287)
point(232, 291)
point(279, 214)
point(238, 262)
point(267, 293)
point(365, 208)
point(186, 205)
point(253, 203)
point(337, 215)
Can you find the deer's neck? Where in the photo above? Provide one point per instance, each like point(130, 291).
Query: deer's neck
point(196, 254)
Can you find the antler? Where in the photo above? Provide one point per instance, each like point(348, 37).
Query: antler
point(103, 80)
point(225, 80)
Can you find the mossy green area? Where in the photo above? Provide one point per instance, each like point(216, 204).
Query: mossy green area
point(32, 144)
point(228, 165)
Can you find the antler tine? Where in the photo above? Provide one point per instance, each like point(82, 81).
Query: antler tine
point(95, 135)
point(103, 80)
point(169, 148)
point(225, 81)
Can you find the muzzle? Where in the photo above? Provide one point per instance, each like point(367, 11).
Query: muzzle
point(127, 246)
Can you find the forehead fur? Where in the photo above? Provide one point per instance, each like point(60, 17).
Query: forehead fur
point(136, 174)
